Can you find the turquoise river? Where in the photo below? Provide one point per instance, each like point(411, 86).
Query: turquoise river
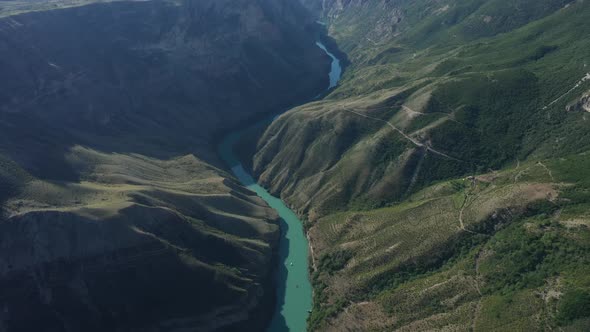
point(294, 292)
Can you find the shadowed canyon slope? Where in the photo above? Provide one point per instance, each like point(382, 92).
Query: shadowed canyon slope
point(115, 215)
point(123, 71)
point(443, 181)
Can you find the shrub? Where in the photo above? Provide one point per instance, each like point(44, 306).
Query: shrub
point(574, 305)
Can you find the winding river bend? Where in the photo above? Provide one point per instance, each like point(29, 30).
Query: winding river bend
point(294, 293)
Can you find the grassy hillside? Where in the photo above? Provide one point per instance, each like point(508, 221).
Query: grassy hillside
point(423, 23)
point(129, 234)
point(444, 180)
point(472, 107)
point(506, 250)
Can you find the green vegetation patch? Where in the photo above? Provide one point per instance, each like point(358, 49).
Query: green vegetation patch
point(574, 304)
point(334, 261)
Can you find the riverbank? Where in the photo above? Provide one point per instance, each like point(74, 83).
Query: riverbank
point(294, 291)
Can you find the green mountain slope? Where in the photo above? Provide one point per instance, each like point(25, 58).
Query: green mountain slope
point(472, 107)
point(443, 180)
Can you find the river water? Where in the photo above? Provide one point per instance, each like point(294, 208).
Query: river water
point(294, 292)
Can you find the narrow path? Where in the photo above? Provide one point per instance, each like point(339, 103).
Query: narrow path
point(466, 203)
point(461, 223)
point(415, 175)
point(520, 173)
point(477, 276)
point(415, 142)
point(311, 252)
point(547, 169)
point(411, 110)
point(477, 310)
point(372, 41)
point(578, 84)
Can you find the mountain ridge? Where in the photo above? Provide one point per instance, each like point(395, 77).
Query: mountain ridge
point(433, 176)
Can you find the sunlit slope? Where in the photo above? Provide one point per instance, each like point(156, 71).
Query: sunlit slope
point(444, 181)
point(424, 115)
point(366, 26)
point(135, 235)
point(506, 250)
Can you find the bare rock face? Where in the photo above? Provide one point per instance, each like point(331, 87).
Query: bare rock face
point(385, 14)
point(586, 103)
point(582, 104)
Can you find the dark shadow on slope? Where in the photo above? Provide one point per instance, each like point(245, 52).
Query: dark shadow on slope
point(279, 323)
point(98, 77)
point(37, 147)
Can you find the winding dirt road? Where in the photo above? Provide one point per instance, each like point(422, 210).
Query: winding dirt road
point(414, 141)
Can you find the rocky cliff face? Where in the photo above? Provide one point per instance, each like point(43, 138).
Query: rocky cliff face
point(112, 215)
point(358, 25)
point(371, 21)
